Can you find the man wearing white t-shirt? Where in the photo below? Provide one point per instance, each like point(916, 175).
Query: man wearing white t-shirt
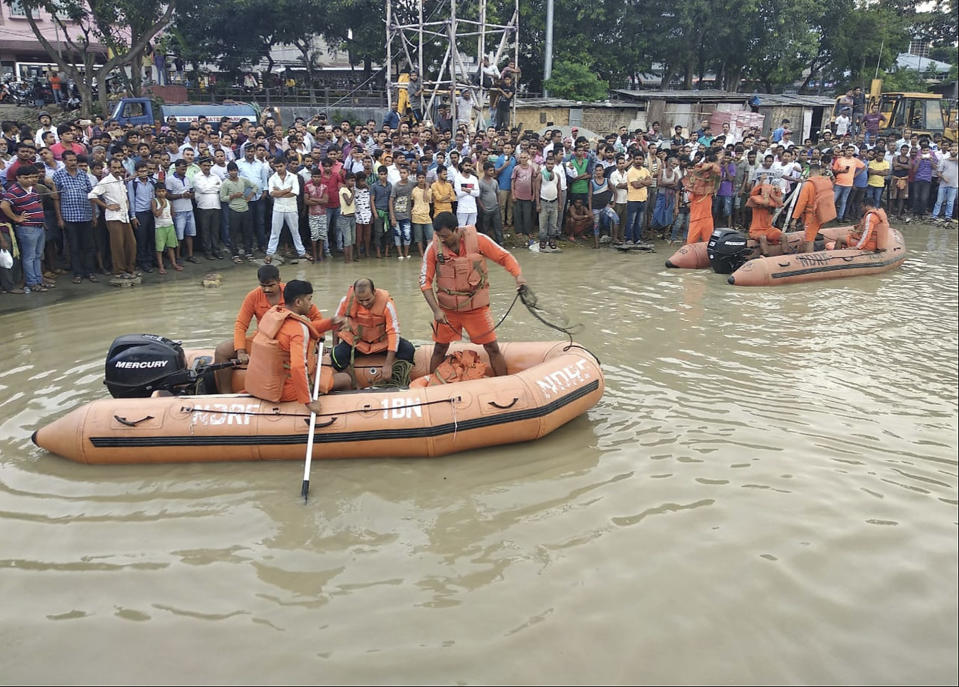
point(284, 188)
point(467, 191)
point(548, 188)
point(465, 105)
point(206, 186)
point(618, 183)
point(842, 124)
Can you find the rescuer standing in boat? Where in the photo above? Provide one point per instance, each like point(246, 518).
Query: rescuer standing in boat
point(457, 259)
point(815, 206)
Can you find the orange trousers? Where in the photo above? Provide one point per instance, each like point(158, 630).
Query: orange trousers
point(812, 226)
point(700, 218)
point(761, 225)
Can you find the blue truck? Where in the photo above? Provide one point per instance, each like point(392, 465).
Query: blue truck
point(151, 112)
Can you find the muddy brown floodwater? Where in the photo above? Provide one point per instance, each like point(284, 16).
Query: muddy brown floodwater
point(767, 493)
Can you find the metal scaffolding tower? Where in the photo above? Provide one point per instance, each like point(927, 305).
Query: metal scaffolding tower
point(452, 74)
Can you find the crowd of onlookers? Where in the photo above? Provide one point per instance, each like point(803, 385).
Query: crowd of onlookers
point(92, 197)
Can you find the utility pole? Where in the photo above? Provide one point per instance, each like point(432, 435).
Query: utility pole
point(548, 67)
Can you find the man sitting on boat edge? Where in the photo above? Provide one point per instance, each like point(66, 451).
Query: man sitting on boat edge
point(371, 326)
point(866, 234)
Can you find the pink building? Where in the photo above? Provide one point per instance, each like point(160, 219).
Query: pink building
point(21, 54)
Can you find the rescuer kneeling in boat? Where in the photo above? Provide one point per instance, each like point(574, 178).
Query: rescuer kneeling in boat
point(370, 326)
point(255, 304)
point(457, 258)
point(763, 199)
point(815, 205)
point(283, 355)
point(866, 234)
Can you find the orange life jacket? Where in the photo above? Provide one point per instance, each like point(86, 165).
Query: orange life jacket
point(462, 281)
point(878, 228)
point(461, 366)
point(269, 366)
point(765, 196)
point(703, 179)
point(367, 326)
point(825, 203)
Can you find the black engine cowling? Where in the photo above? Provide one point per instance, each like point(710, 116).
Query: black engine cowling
point(727, 250)
point(139, 364)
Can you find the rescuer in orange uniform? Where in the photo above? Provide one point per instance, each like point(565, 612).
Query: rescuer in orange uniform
point(283, 355)
point(865, 236)
point(815, 206)
point(701, 182)
point(255, 304)
point(457, 259)
point(370, 326)
point(763, 199)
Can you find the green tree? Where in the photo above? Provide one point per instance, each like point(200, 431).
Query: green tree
point(230, 33)
point(937, 23)
point(947, 54)
point(908, 80)
point(854, 40)
point(781, 42)
point(126, 27)
point(576, 81)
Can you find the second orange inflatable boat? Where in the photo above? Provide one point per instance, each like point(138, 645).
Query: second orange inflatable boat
point(548, 384)
point(824, 264)
point(693, 256)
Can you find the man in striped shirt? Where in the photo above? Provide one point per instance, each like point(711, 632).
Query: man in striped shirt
point(23, 207)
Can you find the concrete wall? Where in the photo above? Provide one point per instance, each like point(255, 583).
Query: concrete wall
point(602, 120)
point(356, 115)
point(605, 120)
point(669, 114)
point(536, 118)
point(775, 114)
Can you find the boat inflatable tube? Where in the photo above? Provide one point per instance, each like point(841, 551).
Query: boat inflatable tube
point(695, 256)
point(547, 385)
point(826, 264)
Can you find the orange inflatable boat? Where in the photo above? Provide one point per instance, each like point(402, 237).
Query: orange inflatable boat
point(825, 264)
point(547, 385)
point(693, 256)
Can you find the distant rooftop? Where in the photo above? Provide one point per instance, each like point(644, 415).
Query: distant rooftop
point(715, 95)
point(907, 60)
point(560, 102)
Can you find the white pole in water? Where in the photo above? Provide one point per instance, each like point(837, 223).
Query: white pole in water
point(305, 491)
point(548, 66)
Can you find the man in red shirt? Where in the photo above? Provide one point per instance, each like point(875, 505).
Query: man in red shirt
point(521, 184)
point(55, 86)
point(67, 142)
point(332, 180)
point(26, 155)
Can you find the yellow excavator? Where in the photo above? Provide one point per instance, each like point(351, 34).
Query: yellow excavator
point(921, 113)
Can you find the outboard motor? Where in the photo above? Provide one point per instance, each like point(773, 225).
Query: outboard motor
point(139, 364)
point(727, 250)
